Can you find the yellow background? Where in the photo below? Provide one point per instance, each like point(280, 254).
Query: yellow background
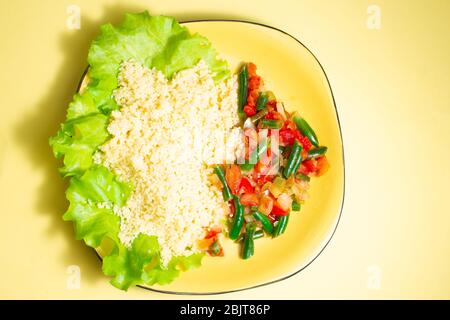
point(392, 92)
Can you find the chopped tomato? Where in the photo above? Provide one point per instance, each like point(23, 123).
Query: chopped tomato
point(322, 166)
point(250, 110)
point(306, 144)
point(251, 67)
point(278, 211)
point(262, 179)
point(213, 232)
point(284, 201)
point(254, 82)
point(233, 177)
point(249, 199)
point(273, 115)
point(245, 186)
point(265, 204)
point(272, 104)
point(307, 167)
point(287, 136)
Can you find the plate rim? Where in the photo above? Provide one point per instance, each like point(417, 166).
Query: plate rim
point(187, 293)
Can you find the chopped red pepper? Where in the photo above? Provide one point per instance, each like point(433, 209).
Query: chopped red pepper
point(250, 110)
point(307, 167)
point(245, 186)
point(277, 211)
point(249, 199)
point(213, 232)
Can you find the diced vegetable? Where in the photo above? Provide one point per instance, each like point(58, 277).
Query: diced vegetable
point(271, 123)
point(258, 234)
point(259, 115)
point(238, 219)
point(242, 90)
point(215, 249)
point(245, 186)
point(249, 246)
point(204, 244)
point(293, 159)
point(316, 152)
point(265, 204)
point(249, 110)
point(277, 187)
point(278, 211)
point(322, 166)
point(298, 163)
point(249, 199)
point(306, 130)
point(296, 206)
point(302, 177)
point(261, 103)
point(266, 223)
point(284, 201)
point(246, 166)
point(281, 226)
point(233, 177)
point(271, 96)
point(226, 192)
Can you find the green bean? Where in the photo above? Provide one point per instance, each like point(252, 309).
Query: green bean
point(293, 159)
point(296, 206)
point(271, 123)
point(281, 226)
point(259, 115)
point(242, 90)
point(266, 223)
point(238, 219)
point(298, 162)
point(258, 234)
point(249, 245)
point(306, 130)
point(261, 103)
point(226, 192)
point(316, 152)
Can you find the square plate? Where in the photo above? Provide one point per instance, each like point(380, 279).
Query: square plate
point(296, 77)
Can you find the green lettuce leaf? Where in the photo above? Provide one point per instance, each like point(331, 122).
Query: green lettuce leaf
point(77, 140)
point(92, 222)
point(154, 41)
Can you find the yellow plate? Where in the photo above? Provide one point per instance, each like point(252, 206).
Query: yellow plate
point(292, 72)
